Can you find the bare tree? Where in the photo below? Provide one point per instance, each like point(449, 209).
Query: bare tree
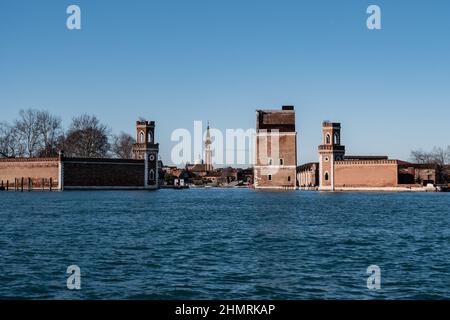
point(87, 138)
point(437, 156)
point(50, 131)
point(122, 146)
point(420, 156)
point(447, 152)
point(16, 147)
point(6, 148)
point(26, 128)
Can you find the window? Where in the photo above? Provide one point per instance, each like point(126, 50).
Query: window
point(328, 139)
point(152, 175)
point(141, 137)
point(270, 162)
point(327, 159)
point(289, 179)
point(336, 138)
point(269, 177)
point(281, 162)
point(326, 176)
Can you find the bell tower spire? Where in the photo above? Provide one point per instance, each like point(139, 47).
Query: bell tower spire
point(208, 152)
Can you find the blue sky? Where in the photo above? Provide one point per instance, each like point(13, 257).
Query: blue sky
point(179, 61)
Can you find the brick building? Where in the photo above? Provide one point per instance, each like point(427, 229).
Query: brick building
point(338, 172)
point(276, 149)
point(64, 173)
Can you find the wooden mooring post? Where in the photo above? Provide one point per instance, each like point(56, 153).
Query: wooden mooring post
point(21, 185)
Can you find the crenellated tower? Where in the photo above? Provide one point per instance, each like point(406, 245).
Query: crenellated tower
point(146, 149)
point(330, 151)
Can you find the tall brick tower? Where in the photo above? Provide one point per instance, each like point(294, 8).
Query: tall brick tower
point(330, 151)
point(146, 149)
point(276, 149)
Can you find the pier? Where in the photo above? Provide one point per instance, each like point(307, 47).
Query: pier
point(28, 184)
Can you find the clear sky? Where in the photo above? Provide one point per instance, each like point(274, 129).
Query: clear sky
point(219, 60)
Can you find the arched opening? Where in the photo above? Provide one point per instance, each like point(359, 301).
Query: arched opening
point(141, 137)
point(270, 162)
point(149, 137)
point(326, 176)
point(269, 177)
point(336, 138)
point(152, 175)
point(289, 179)
point(328, 139)
point(281, 162)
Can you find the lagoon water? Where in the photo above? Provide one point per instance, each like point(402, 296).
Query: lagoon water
point(224, 244)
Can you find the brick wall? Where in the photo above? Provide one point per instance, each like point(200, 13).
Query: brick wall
point(103, 173)
point(282, 175)
point(286, 150)
point(282, 178)
point(35, 173)
point(383, 173)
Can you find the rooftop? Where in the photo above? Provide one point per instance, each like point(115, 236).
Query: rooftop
point(366, 157)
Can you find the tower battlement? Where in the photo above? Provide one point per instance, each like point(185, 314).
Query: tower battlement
point(145, 123)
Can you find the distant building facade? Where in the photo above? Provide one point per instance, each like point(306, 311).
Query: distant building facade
point(276, 149)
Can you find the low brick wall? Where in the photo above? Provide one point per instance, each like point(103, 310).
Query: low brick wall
point(82, 173)
point(33, 173)
point(371, 174)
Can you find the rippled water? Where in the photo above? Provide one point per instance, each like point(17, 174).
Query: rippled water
point(224, 244)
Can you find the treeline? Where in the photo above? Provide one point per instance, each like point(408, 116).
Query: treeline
point(38, 133)
point(438, 156)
